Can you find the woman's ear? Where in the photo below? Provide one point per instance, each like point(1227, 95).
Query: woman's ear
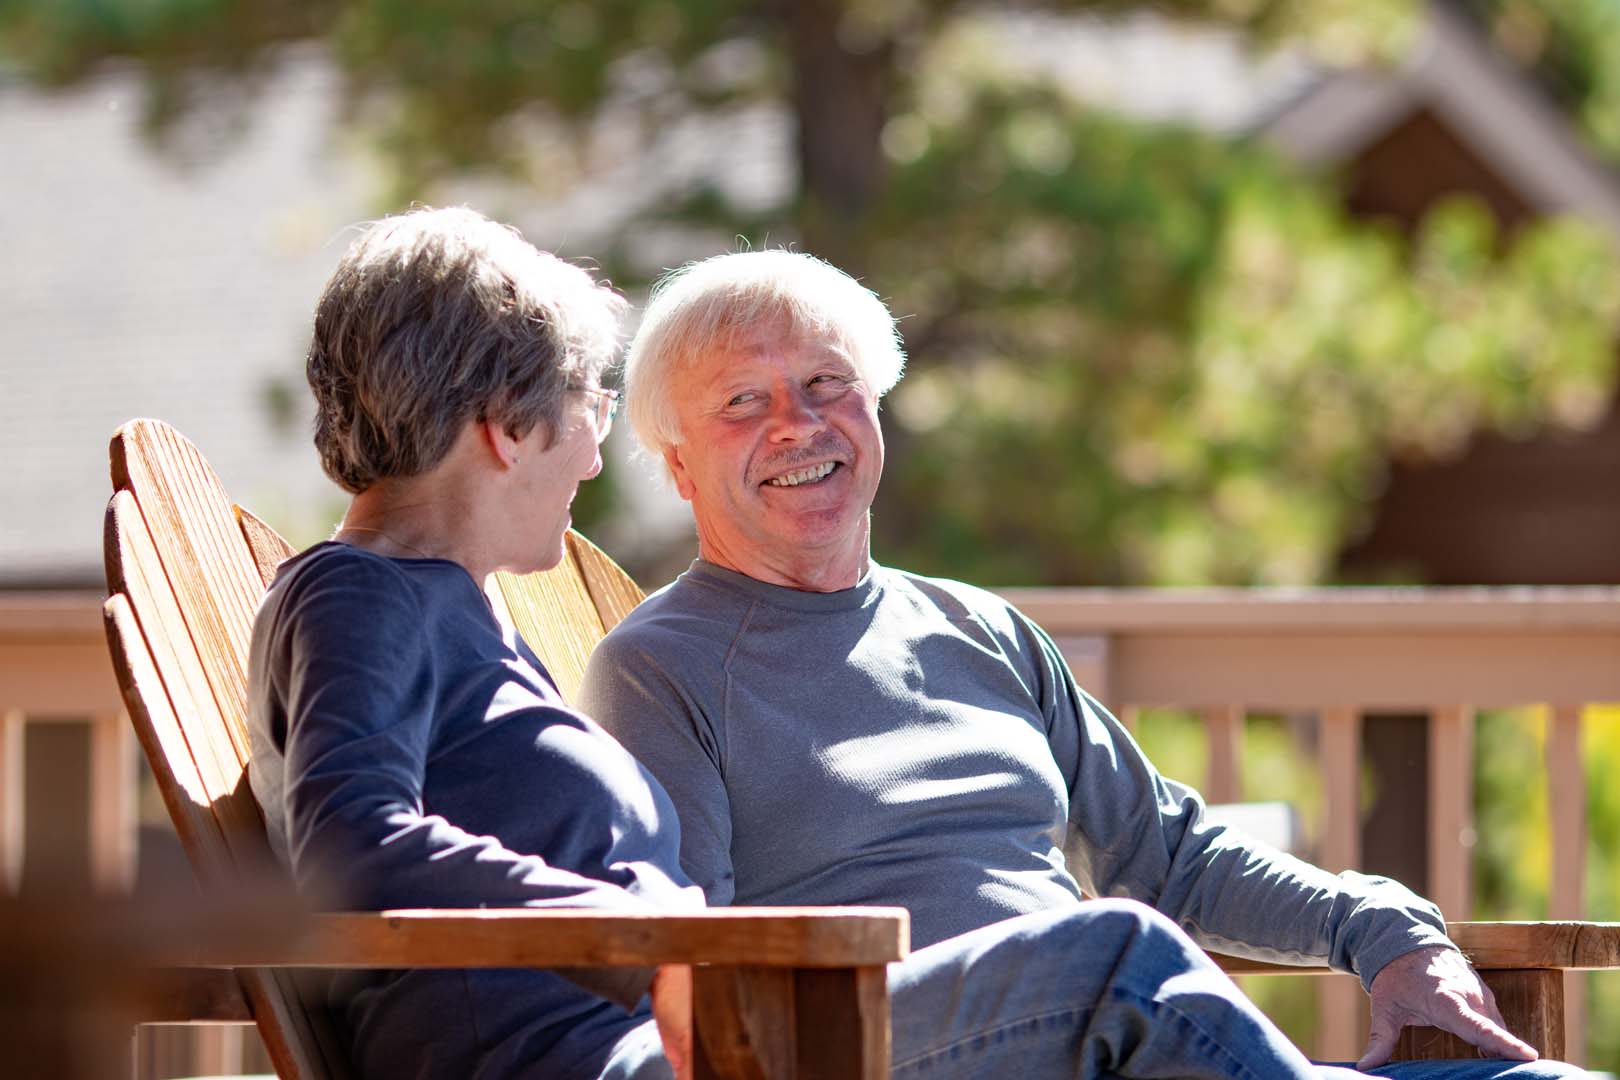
point(505, 447)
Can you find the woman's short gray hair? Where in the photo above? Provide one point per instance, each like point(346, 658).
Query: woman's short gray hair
point(437, 317)
point(704, 305)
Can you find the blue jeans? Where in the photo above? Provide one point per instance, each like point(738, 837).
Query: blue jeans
point(1109, 989)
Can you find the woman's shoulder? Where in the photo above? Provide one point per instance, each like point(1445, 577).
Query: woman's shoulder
point(337, 587)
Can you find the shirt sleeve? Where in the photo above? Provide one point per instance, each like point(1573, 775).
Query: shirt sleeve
point(359, 692)
point(656, 704)
point(1134, 833)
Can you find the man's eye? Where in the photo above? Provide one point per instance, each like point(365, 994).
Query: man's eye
point(741, 399)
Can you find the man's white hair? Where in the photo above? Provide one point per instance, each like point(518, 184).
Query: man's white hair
point(705, 305)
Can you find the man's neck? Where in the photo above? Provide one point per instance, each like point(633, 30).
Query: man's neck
point(805, 571)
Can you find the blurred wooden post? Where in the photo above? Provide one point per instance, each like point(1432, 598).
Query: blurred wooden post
point(217, 1048)
point(1088, 658)
point(1224, 780)
point(1451, 809)
point(113, 812)
point(1566, 801)
point(11, 800)
point(1340, 1002)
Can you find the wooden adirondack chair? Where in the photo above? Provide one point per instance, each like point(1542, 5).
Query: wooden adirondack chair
point(780, 992)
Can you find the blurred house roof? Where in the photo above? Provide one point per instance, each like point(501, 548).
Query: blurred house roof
point(1453, 73)
point(133, 284)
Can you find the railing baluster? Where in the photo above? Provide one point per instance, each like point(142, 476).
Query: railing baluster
point(1224, 780)
point(1088, 657)
point(1451, 809)
point(113, 817)
point(1566, 802)
point(11, 800)
point(1340, 1000)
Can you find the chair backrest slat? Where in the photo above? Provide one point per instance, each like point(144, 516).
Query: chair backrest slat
point(265, 545)
point(613, 592)
point(136, 570)
point(179, 780)
point(186, 577)
point(563, 612)
point(213, 575)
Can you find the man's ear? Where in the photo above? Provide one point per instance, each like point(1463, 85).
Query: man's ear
point(678, 471)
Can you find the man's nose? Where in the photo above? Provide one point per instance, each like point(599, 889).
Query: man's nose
point(596, 465)
point(793, 417)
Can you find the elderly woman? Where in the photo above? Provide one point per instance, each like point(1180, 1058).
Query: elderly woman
point(410, 750)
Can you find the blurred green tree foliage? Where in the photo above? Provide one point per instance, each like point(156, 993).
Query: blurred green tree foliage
point(1575, 46)
point(1139, 355)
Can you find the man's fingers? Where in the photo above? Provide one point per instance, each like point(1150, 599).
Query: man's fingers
point(1380, 1042)
point(1488, 1035)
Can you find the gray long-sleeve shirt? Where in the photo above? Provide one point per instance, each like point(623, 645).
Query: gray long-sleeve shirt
point(919, 742)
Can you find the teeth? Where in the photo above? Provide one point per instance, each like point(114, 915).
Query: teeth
point(803, 476)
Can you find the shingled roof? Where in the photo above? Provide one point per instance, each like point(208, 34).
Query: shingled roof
point(134, 285)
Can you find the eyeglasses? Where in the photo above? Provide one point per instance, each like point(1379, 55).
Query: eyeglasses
point(607, 406)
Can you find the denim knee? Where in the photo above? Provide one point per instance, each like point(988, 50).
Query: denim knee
point(1126, 920)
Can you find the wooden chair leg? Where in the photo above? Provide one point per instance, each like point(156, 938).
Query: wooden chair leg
point(753, 1023)
point(742, 1023)
point(1532, 1004)
point(843, 1023)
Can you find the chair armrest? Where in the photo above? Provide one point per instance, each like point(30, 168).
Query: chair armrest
point(1566, 945)
point(521, 937)
point(1495, 946)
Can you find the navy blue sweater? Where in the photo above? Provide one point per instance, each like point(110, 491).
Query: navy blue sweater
point(409, 751)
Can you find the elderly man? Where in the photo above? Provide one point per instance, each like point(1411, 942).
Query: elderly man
point(837, 732)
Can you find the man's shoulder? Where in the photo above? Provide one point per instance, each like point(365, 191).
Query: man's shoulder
point(955, 598)
point(679, 616)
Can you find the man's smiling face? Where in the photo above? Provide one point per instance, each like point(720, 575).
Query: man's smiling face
point(780, 457)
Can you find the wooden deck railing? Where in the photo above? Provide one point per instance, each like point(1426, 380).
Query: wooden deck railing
point(1223, 653)
point(1342, 654)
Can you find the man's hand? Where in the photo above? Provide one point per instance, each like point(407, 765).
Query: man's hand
point(1435, 987)
point(672, 1012)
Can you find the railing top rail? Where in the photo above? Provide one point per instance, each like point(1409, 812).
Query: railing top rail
point(62, 611)
point(1101, 611)
point(1585, 609)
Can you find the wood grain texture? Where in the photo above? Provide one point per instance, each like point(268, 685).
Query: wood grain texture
point(265, 545)
point(742, 1024)
point(842, 1023)
point(199, 542)
point(1569, 945)
point(1496, 946)
point(554, 613)
point(176, 995)
point(179, 781)
point(521, 937)
point(181, 690)
point(612, 591)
